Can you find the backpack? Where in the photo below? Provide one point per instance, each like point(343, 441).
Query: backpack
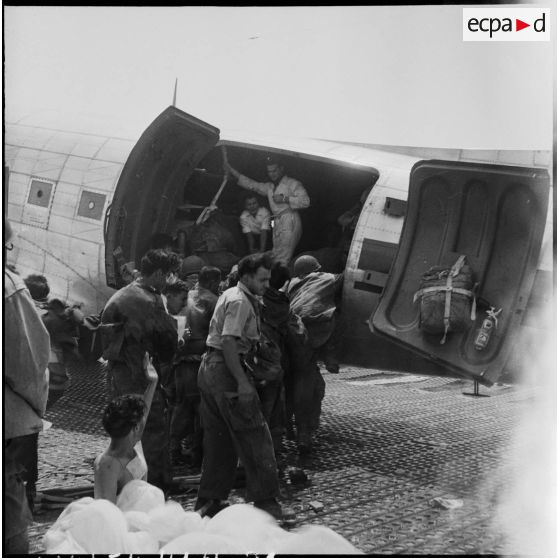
point(264, 360)
point(447, 299)
point(313, 297)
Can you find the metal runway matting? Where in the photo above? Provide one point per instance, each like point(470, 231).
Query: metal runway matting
point(389, 444)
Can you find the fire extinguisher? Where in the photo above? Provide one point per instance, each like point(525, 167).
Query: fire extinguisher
point(485, 331)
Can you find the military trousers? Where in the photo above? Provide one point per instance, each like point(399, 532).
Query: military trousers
point(233, 429)
point(17, 513)
point(272, 399)
point(287, 230)
point(185, 419)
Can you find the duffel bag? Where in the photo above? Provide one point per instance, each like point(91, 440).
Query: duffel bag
point(447, 299)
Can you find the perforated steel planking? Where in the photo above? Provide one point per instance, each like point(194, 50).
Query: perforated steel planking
point(382, 453)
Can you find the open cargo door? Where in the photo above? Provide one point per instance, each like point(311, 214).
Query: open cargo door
point(151, 182)
point(495, 215)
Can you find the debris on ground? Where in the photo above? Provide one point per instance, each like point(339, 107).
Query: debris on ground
point(316, 506)
point(446, 503)
point(297, 476)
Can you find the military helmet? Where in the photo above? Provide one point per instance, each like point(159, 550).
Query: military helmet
point(306, 264)
point(190, 265)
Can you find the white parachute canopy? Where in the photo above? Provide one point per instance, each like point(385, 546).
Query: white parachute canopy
point(142, 522)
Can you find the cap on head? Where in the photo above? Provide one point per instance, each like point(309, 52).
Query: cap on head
point(273, 160)
point(190, 265)
point(306, 264)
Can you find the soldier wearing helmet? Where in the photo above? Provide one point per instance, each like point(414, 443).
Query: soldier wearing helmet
point(190, 269)
point(313, 296)
point(306, 264)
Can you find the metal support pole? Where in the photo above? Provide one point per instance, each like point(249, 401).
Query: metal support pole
point(476, 391)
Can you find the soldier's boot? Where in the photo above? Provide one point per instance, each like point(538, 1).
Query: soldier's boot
point(304, 441)
point(209, 507)
point(176, 456)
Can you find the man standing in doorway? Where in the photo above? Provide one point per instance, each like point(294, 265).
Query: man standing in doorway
point(231, 414)
point(286, 196)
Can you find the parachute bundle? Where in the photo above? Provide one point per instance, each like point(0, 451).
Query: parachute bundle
point(142, 522)
point(447, 299)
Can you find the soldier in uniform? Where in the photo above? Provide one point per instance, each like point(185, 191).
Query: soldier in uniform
point(134, 322)
point(190, 269)
point(198, 311)
point(313, 296)
point(231, 414)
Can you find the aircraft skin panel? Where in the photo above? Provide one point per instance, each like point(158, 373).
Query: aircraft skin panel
point(10, 152)
point(62, 224)
point(75, 165)
point(55, 240)
point(28, 136)
point(71, 265)
point(15, 212)
point(101, 148)
point(89, 232)
point(525, 158)
point(542, 159)
point(24, 161)
point(49, 167)
point(104, 178)
point(114, 151)
point(30, 261)
point(329, 151)
point(18, 189)
point(60, 143)
point(87, 147)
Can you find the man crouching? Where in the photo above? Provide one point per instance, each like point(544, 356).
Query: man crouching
point(230, 408)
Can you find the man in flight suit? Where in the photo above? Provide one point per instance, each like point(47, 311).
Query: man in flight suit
point(286, 196)
point(231, 414)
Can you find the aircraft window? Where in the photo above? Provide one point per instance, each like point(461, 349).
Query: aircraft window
point(39, 193)
point(91, 205)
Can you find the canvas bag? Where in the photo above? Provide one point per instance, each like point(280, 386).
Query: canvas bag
point(447, 299)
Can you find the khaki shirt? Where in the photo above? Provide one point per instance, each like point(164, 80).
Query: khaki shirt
point(236, 314)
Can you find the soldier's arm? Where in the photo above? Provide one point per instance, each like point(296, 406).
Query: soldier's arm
point(232, 360)
point(261, 188)
point(298, 197)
